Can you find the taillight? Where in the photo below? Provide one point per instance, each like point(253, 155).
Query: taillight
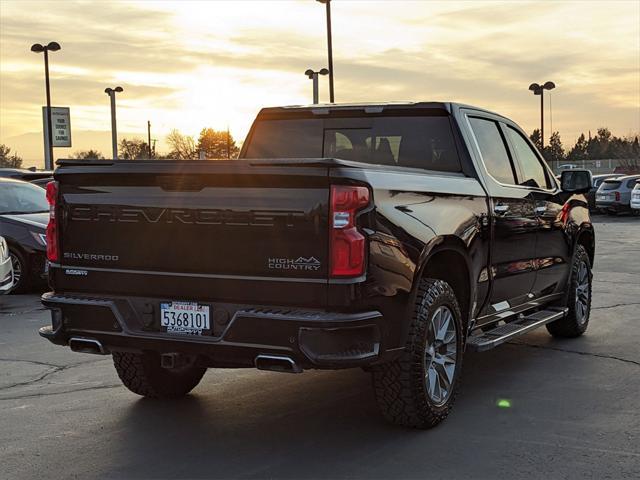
point(617, 196)
point(53, 249)
point(347, 245)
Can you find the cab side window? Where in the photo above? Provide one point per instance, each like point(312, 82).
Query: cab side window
point(532, 173)
point(493, 150)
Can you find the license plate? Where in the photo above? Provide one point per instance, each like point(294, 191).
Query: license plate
point(603, 197)
point(188, 318)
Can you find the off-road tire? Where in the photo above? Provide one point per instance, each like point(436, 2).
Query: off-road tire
point(400, 385)
point(142, 374)
point(571, 326)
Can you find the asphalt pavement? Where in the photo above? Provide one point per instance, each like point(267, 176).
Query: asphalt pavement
point(569, 409)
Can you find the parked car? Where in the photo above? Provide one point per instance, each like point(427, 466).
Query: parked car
point(24, 213)
point(41, 182)
point(386, 236)
point(6, 269)
point(27, 174)
point(568, 166)
point(635, 199)
point(597, 181)
point(614, 194)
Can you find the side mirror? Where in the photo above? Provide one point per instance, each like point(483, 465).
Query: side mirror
point(576, 181)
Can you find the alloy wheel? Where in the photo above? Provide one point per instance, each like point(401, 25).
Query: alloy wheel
point(582, 293)
point(17, 269)
point(441, 355)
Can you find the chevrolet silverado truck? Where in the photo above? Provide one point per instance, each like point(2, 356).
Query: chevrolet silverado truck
point(391, 237)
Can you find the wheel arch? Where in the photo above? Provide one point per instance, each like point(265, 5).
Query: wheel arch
point(447, 258)
point(586, 238)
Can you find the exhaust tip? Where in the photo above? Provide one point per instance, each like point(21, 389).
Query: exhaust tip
point(87, 345)
point(277, 363)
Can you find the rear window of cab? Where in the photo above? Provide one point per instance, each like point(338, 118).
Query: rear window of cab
point(425, 142)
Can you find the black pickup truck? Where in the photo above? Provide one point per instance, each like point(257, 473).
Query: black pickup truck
point(391, 237)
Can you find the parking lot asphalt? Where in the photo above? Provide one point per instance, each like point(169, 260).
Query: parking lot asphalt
point(574, 407)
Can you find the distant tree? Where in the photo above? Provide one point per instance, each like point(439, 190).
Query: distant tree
point(7, 159)
point(88, 155)
point(554, 152)
point(536, 139)
point(579, 150)
point(183, 147)
point(217, 144)
point(598, 146)
point(635, 148)
point(133, 149)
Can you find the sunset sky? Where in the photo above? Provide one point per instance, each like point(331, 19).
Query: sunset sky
point(189, 65)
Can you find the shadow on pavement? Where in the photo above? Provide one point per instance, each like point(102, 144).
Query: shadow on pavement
point(314, 425)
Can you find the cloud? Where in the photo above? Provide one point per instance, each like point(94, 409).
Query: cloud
point(188, 65)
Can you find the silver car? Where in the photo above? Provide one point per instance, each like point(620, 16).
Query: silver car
point(6, 268)
point(614, 194)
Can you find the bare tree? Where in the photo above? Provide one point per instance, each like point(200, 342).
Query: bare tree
point(183, 147)
point(9, 160)
point(88, 155)
point(133, 149)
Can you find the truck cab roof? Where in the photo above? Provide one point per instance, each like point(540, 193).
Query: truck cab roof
point(369, 108)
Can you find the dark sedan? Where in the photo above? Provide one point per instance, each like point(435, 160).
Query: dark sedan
point(24, 214)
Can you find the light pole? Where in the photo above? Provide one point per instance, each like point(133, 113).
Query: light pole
point(329, 48)
point(114, 132)
point(38, 48)
point(149, 137)
point(539, 90)
point(314, 76)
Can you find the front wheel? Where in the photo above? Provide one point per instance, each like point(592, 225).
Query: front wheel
point(142, 374)
point(576, 321)
point(419, 388)
point(20, 266)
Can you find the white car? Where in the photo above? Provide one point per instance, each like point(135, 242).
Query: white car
point(635, 199)
point(6, 268)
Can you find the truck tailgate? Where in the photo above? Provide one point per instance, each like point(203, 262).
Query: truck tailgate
point(208, 220)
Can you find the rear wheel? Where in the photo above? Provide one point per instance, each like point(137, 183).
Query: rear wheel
point(418, 389)
point(142, 374)
point(576, 321)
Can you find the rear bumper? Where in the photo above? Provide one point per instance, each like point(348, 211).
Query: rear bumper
point(612, 206)
point(240, 333)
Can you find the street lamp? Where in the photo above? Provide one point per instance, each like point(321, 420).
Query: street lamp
point(38, 48)
point(539, 90)
point(114, 133)
point(314, 76)
point(329, 48)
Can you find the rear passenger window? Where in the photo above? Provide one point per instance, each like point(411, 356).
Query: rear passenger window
point(493, 150)
point(631, 183)
point(531, 169)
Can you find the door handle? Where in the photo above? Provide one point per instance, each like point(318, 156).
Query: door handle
point(500, 208)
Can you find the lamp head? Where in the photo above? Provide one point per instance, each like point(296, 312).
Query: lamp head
point(324, 71)
point(309, 73)
point(535, 88)
point(37, 48)
point(118, 89)
point(53, 46)
point(549, 86)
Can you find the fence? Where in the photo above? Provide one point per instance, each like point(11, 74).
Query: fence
point(596, 166)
